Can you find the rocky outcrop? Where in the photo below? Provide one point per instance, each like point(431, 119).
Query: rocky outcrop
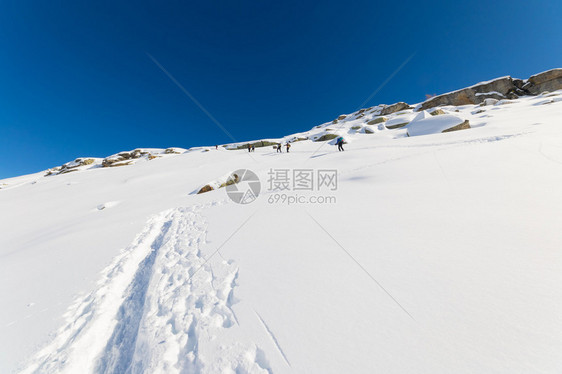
point(501, 88)
point(389, 109)
point(205, 188)
point(69, 167)
point(377, 120)
point(123, 158)
point(53, 171)
point(259, 144)
point(498, 89)
point(325, 137)
point(550, 80)
point(172, 151)
point(232, 179)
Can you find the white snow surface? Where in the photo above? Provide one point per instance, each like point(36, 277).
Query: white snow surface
point(442, 254)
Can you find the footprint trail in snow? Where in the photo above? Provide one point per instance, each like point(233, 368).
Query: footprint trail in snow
point(149, 315)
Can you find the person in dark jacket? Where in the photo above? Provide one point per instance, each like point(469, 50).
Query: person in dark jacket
point(339, 143)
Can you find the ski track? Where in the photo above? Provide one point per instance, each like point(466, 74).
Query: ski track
point(150, 314)
point(273, 338)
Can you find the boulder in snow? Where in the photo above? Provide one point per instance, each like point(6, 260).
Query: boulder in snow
point(437, 112)
point(376, 120)
point(394, 108)
point(325, 137)
point(397, 122)
point(205, 188)
point(462, 126)
point(425, 124)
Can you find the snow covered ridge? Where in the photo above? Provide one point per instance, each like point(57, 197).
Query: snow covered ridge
point(371, 120)
point(118, 159)
point(500, 88)
point(499, 91)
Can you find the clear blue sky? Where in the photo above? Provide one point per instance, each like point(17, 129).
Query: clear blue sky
point(76, 80)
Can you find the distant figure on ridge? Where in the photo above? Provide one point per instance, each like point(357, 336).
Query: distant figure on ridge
point(339, 143)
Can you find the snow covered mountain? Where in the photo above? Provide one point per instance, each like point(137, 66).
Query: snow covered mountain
point(430, 245)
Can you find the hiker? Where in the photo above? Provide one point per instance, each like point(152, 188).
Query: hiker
point(339, 143)
point(279, 148)
point(253, 148)
point(288, 146)
point(216, 147)
point(249, 148)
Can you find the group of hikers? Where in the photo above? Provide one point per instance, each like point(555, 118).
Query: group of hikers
point(252, 148)
point(279, 147)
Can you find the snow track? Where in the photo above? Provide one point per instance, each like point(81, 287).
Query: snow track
point(156, 305)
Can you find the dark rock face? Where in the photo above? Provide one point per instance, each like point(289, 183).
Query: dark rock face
point(463, 126)
point(550, 80)
point(499, 89)
point(394, 108)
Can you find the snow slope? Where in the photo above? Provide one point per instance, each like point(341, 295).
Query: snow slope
point(441, 254)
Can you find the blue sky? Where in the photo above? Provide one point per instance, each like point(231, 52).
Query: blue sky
point(76, 79)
